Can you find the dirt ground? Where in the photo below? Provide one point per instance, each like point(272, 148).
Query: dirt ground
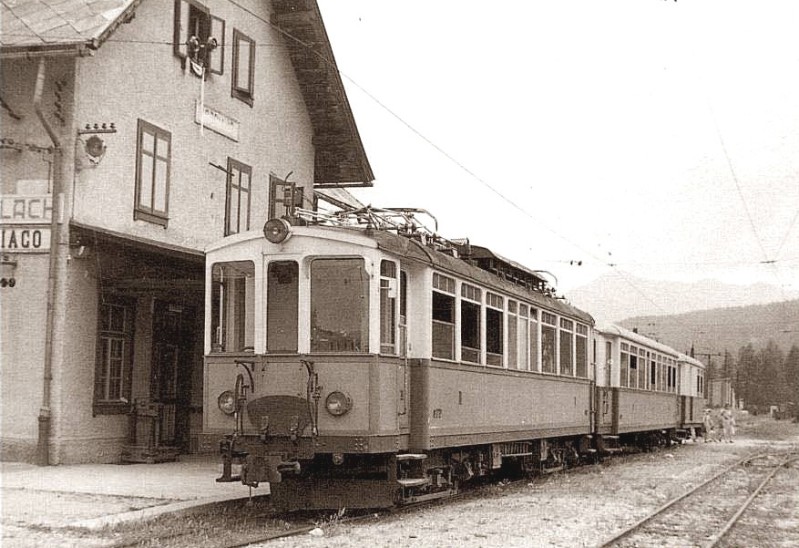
point(582, 507)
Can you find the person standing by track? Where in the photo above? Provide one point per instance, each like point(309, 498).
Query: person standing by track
point(710, 426)
point(727, 423)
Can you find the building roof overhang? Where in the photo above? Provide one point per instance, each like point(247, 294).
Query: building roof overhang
point(340, 156)
point(36, 28)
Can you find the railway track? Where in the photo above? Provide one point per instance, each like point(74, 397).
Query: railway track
point(719, 501)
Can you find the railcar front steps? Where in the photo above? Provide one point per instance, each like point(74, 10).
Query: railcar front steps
point(419, 484)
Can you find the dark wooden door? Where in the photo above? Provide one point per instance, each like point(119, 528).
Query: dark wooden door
point(170, 382)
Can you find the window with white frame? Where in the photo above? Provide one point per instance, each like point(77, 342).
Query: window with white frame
point(443, 317)
point(495, 322)
point(471, 298)
point(566, 347)
point(237, 200)
point(513, 335)
point(535, 337)
point(524, 337)
point(198, 36)
point(388, 307)
point(643, 360)
point(581, 350)
point(243, 79)
point(114, 360)
point(549, 323)
point(153, 157)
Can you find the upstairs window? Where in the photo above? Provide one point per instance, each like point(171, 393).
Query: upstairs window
point(243, 81)
point(237, 200)
point(153, 157)
point(198, 36)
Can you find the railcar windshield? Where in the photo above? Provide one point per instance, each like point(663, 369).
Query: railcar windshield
point(339, 305)
point(232, 306)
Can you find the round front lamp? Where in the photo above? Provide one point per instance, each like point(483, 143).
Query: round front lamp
point(338, 403)
point(227, 402)
point(277, 230)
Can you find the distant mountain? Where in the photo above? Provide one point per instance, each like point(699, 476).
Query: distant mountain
point(612, 297)
point(714, 331)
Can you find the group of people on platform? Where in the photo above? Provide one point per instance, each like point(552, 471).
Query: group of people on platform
point(719, 426)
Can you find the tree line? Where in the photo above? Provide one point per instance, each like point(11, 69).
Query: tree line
point(761, 377)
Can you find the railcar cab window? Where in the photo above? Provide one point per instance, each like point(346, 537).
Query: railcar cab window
point(549, 323)
point(339, 305)
point(471, 298)
point(494, 328)
point(282, 300)
point(232, 306)
point(388, 307)
point(443, 317)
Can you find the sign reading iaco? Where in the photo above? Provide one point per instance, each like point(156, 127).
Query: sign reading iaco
point(19, 214)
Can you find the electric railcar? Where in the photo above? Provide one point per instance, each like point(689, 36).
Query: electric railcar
point(353, 366)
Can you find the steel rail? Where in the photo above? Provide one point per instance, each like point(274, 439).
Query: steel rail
point(734, 519)
point(638, 524)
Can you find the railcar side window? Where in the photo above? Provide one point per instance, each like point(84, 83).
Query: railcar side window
point(535, 360)
point(232, 306)
point(642, 369)
point(388, 307)
point(470, 323)
point(282, 299)
point(548, 323)
point(625, 367)
point(494, 329)
point(524, 337)
point(566, 347)
point(443, 317)
point(513, 335)
point(339, 305)
point(581, 351)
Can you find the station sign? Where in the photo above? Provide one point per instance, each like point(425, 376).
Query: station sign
point(25, 239)
point(20, 209)
point(19, 217)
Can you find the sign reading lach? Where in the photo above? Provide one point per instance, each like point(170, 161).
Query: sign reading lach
point(19, 214)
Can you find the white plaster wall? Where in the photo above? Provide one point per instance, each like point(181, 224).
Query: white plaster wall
point(127, 81)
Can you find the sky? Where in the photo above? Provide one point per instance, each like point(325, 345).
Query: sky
point(645, 138)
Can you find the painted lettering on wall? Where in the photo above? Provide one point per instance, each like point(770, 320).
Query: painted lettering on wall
point(22, 209)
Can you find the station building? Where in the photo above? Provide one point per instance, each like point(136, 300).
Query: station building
point(134, 133)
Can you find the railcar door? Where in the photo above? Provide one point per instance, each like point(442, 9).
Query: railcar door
point(403, 375)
